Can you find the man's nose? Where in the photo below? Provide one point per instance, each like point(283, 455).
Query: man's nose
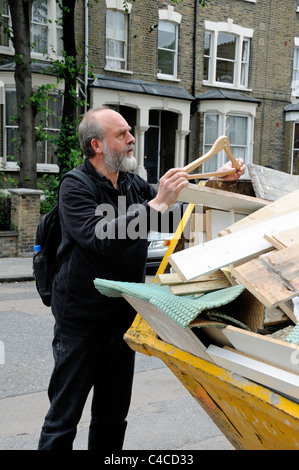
point(131, 138)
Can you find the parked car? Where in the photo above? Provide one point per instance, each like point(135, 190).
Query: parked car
point(158, 244)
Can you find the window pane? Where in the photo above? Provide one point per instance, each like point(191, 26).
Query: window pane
point(167, 35)
point(237, 131)
point(10, 106)
point(55, 112)
point(211, 134)
point(115, 25)
point(225, 71)
point(295, 170)
point(207, 55)
point(226, 46)
point(40, 151)
point(4, 23)
point(115, 49)
point(39, 11)
point(166, 62)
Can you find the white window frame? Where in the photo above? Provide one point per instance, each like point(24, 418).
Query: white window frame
point(297, 6)
point(295, 77)
point(13, 165)
point(7, 82)
point(118, 5)
point(121, 60)
point(173, 17)
point(53, 28)
point(7, 49)
point(171, 51)
point(242, 35)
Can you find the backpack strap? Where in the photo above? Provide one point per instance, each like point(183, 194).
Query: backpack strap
point(84, 178)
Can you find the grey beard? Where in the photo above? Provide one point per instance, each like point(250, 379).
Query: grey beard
point(118, 161)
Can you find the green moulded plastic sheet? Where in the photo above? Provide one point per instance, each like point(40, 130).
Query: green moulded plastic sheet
point(181, 309)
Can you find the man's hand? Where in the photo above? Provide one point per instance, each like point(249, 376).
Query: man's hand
point(170, 187)
point(228, 166)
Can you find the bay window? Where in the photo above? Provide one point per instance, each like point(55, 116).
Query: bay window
point(47, 124)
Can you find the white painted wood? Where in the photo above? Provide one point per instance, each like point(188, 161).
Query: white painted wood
point(269, 376)
point(167, 329)
point(218, 199)
point(234, 247)
point(276, 352)
point(220, 220)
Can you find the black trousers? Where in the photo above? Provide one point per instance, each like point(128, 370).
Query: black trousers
point(81, 363)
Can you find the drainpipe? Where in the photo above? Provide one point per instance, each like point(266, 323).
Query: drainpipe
point(194, 45)
point(86, 54)
point(193, 104)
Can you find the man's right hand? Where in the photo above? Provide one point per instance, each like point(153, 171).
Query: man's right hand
point(170, 187)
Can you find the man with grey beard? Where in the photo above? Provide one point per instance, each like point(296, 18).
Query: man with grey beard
point(88, 346)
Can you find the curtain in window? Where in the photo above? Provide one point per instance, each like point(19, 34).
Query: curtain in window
point(39, 30)
point(295, 83)
point(211, 134)
point(238, 136)
point(115, 39)
point(4, 23)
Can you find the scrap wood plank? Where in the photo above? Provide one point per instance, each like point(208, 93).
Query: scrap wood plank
point(167, 329)
point(284, 238)
point(199, 287)
point(233, 248)
point(278, 353)
point(272, 278)
point(271, 184)
point(171, 279)
point(272, 377)
point(282, 206)
point(218, 199)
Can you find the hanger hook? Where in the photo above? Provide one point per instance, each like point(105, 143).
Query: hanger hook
point(227, 117)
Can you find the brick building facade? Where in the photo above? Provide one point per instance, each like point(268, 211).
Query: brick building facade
point(182, 75)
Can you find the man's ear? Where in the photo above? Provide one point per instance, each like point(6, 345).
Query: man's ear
point(97, 145)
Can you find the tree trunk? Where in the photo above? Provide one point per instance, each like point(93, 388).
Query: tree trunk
point(69, 106)
point(21, 22)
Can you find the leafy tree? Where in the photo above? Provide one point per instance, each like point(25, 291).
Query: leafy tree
point(29, 103)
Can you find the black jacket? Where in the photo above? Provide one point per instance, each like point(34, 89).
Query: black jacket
point(76, 304)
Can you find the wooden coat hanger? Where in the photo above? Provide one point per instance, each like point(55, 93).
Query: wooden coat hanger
point(222, 143)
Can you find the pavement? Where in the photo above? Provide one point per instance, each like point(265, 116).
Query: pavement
point(163, 415)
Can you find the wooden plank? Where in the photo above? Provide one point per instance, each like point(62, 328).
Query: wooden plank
point(272, 377)
point(271, 184)
point(171, 279)
point(218, 199)
point(282, 206)
point(272, 278)
point(278, 353)
point(167, 329)
point(233, 248)
point(198, 287)
point(287, 237)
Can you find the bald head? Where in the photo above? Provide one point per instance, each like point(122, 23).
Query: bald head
point(94, 125)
